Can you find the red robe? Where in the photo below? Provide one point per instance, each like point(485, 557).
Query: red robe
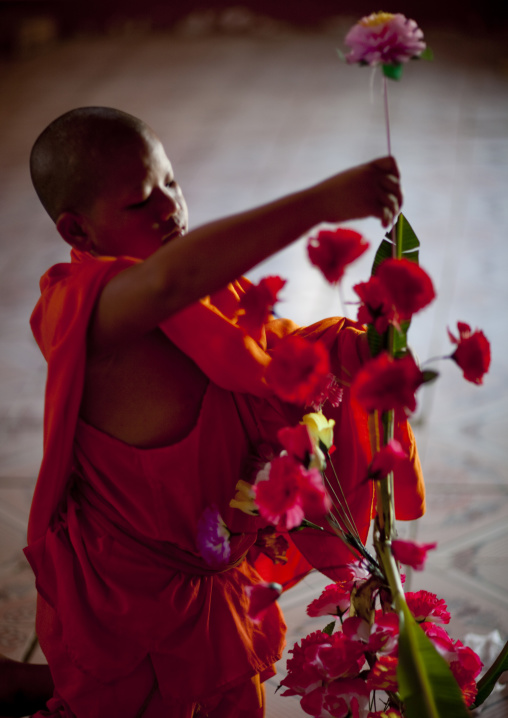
point(112, 527)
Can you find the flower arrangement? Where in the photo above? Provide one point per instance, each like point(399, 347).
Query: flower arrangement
point(383, 652)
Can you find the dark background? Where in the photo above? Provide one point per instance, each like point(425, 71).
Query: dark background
point(69, 17)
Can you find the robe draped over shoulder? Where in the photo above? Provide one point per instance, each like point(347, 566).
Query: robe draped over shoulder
point(112, 528)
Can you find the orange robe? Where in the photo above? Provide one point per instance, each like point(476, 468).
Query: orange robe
point(112, 527)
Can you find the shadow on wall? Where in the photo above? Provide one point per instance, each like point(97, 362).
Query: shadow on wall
point(29, 26)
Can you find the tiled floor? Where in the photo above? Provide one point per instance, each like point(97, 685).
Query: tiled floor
point(247, 116)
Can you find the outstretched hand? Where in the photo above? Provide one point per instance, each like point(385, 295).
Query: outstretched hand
point(368, 190)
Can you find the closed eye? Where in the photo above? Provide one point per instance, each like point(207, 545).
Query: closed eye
point(138, 205)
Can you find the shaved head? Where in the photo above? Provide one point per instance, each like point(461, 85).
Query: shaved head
point(69, 161)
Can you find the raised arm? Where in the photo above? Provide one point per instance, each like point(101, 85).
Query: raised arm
point(189, 267)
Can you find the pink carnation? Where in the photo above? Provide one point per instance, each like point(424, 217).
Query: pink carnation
point(291, 492)
point(333, 601)
point(383, 676)
point(303, 676)
point(411, 553)
point(383, 38)
point(426, 606)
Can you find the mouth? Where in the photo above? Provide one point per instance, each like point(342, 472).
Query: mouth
point(175, 231)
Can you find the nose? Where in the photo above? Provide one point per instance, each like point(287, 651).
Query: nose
point(167, 204)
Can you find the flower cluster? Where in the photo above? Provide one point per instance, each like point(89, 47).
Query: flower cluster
point(335, 671)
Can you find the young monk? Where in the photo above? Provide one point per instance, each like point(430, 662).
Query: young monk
point(154, 399)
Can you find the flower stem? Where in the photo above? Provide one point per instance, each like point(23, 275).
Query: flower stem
point(387, 115)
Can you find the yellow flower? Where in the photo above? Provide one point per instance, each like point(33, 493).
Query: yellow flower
point(244, 499)
point(320, 428)
point(376, 18)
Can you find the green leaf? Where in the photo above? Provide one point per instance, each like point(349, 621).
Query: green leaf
point(427, 54)
point(328, 629)
point(429, 375)
point(426, 684)
point(394, 72)
point(489, 680)
point(410, 244)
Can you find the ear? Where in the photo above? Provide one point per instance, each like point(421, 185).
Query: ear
point(72, 227)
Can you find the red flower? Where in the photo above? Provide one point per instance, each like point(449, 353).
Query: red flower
point(411, 553)
point(261, 596)
point(297, 442)
point(333, 601)
point(303, 676)
point(384, 383)
point(376, 307)
point(383, 677)
point(333, 250)
point(341, 658)
point(272, 544)
point(290, 492)
point(426, 606)
point(472, 353)
point(256, 304)
point(409, 286)
point(299, 370)
point(386, 459)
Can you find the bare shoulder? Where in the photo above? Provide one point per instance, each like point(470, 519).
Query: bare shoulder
point(146, 393)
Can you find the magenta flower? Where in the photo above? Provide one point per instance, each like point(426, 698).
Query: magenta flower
point(426, 606)
point(411, 553)
point(213, 538)
point(333, 601)
point(290, 492)
point(384, 39)
point(261, 596)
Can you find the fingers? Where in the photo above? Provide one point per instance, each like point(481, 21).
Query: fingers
point(390, 193)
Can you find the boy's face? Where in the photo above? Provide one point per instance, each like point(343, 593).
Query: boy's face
point(140, 206)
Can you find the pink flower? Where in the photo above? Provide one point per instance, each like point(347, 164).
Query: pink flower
point(333, 250)
point(261, 596)
point(213, 538)
point(330, 390)
point(333, 601)
point(426, 606)
point(297, 442)
point(411, 553)
point(290, 492)
point(299, 370)
point(408, 285)
point(383, 38)
point(303, 676)
point(256, 304)
point(472, 353)
point(384, 383)
point(464, 663)
point(376, 307)
point(386, 460)
point(383, 676)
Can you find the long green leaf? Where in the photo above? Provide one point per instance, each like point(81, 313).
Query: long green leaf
point(410, 244)
point(426, 684)
point(489, 680)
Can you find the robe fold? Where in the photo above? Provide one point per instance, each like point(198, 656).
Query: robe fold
point(112, 529)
